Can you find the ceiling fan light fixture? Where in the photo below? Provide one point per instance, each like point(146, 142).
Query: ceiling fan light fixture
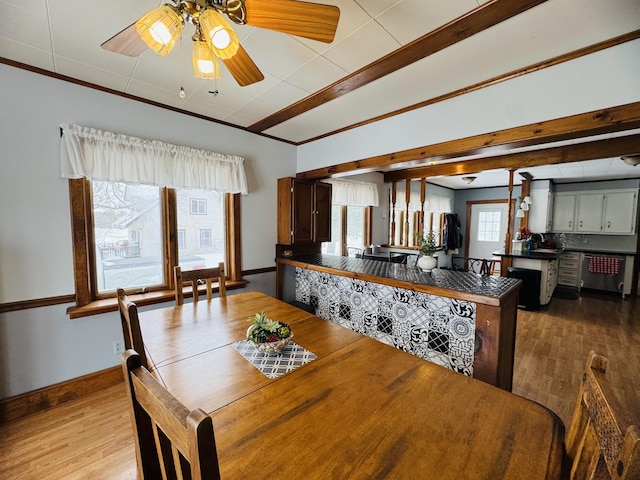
point(205, 63)
point(161, 28)
point(632, 160)
point(218, 34)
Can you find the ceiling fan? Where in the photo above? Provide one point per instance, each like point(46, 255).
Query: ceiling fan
point(215, 39)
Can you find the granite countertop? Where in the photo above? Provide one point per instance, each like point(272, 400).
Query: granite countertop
point(465, 282)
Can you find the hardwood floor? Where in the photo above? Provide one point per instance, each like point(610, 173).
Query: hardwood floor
point(91, 437)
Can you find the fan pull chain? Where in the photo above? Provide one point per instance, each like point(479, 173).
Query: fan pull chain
point(181, 94)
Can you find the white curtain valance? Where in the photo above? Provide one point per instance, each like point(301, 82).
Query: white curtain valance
point(432, 203)
point(98, 155)
point(358, 194)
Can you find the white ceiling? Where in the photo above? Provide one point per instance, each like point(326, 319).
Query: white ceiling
point(64, 37)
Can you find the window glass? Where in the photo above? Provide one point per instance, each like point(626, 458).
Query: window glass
point(201, 220)
point(128, 235)
point(334, 246)
point(355, 227)
point(489, 226)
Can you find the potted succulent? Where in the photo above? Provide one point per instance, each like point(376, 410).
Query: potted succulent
point(428, 245)
point(269, 336)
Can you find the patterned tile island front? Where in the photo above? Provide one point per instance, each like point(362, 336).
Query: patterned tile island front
point(460, 320)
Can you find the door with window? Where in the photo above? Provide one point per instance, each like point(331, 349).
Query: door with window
point(487, 228)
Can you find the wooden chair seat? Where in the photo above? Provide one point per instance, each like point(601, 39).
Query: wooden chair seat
point(171, 441)
point(603, 441)
point(195, 277)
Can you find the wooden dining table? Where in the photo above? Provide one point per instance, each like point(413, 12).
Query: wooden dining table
point(360, 409)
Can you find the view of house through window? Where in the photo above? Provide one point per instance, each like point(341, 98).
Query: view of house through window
point(128, 233)
point(201, 219)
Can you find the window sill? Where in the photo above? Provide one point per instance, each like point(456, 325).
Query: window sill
point(108, 305)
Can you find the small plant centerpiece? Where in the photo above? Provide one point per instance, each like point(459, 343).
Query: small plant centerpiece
point(428, 246)
point(269, 336)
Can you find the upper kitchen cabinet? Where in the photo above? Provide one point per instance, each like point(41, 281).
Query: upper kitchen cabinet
point(620, 212)
point(563, 212)
point(598, 212)
point(540, 208)
point(304, 211)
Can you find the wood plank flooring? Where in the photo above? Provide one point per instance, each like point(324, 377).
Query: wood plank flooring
point(91, 437)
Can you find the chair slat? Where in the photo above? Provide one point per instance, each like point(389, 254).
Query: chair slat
point(193, 277)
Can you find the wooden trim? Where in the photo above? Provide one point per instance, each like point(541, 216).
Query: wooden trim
point(607, 120)
point(170, 231)
point(93, 86)
point(627, 37)
point(25, 404)
point(36, 303)
point(257, 271)
point(576, 152)
point(485, 16)
point(234, 247)
point(79, 238)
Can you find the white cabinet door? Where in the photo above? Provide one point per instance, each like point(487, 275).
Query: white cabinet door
point(563, 212)
point(539, 218)
point(620, 212)
point(589, 213)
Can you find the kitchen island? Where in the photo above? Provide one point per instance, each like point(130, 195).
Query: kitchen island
point(460, 320)
point(543, 260)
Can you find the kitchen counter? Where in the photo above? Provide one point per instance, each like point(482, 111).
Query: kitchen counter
point(460, 320)
point(533, 254)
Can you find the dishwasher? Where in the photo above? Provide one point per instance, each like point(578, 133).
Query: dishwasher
point(603, 272)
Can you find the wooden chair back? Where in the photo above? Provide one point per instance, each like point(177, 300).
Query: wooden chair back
point(171, 442)
point(602, 441)
point(131, 326)
point(194, 277)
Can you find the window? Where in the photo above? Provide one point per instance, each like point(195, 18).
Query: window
point(489, 226)
point(350, 227)
point(137, 233)
point(198, 206)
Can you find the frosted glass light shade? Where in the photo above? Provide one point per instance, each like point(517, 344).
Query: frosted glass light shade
point(218, 34)
point(205, 63)
point(520, 213)
point(161, 28)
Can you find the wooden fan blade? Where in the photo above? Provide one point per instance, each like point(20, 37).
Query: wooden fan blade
point(303, 19)
point(127, 42)
point(242, 68)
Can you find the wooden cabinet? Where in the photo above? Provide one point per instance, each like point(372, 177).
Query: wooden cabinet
point(563, 212)
point(304, 211)
point(598, 212)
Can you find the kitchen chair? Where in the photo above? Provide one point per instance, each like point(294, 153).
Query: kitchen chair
point(601, 441)
point(131, 326)
point(170, 441)
point(195, 277)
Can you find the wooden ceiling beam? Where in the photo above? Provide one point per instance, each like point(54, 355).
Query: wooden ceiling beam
point(608, 120)
point(484, 16)
point(547, 156)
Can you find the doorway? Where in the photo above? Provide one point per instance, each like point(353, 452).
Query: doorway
point(487, 227)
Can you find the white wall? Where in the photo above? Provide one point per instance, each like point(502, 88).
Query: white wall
point(42, 346)
point(600, 80)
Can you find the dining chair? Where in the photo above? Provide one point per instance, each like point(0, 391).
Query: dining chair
point(195, 277)
point(131, 326)
point(170, 440)
point(602, 440)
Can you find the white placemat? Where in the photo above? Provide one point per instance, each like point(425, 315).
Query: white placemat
point(274, 365)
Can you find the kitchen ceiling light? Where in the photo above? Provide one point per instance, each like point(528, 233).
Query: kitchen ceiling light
point(524, 206)
point(468, 179)
point(632, 160)
point(520, 213)
point(161, 28)
point(527, 200)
